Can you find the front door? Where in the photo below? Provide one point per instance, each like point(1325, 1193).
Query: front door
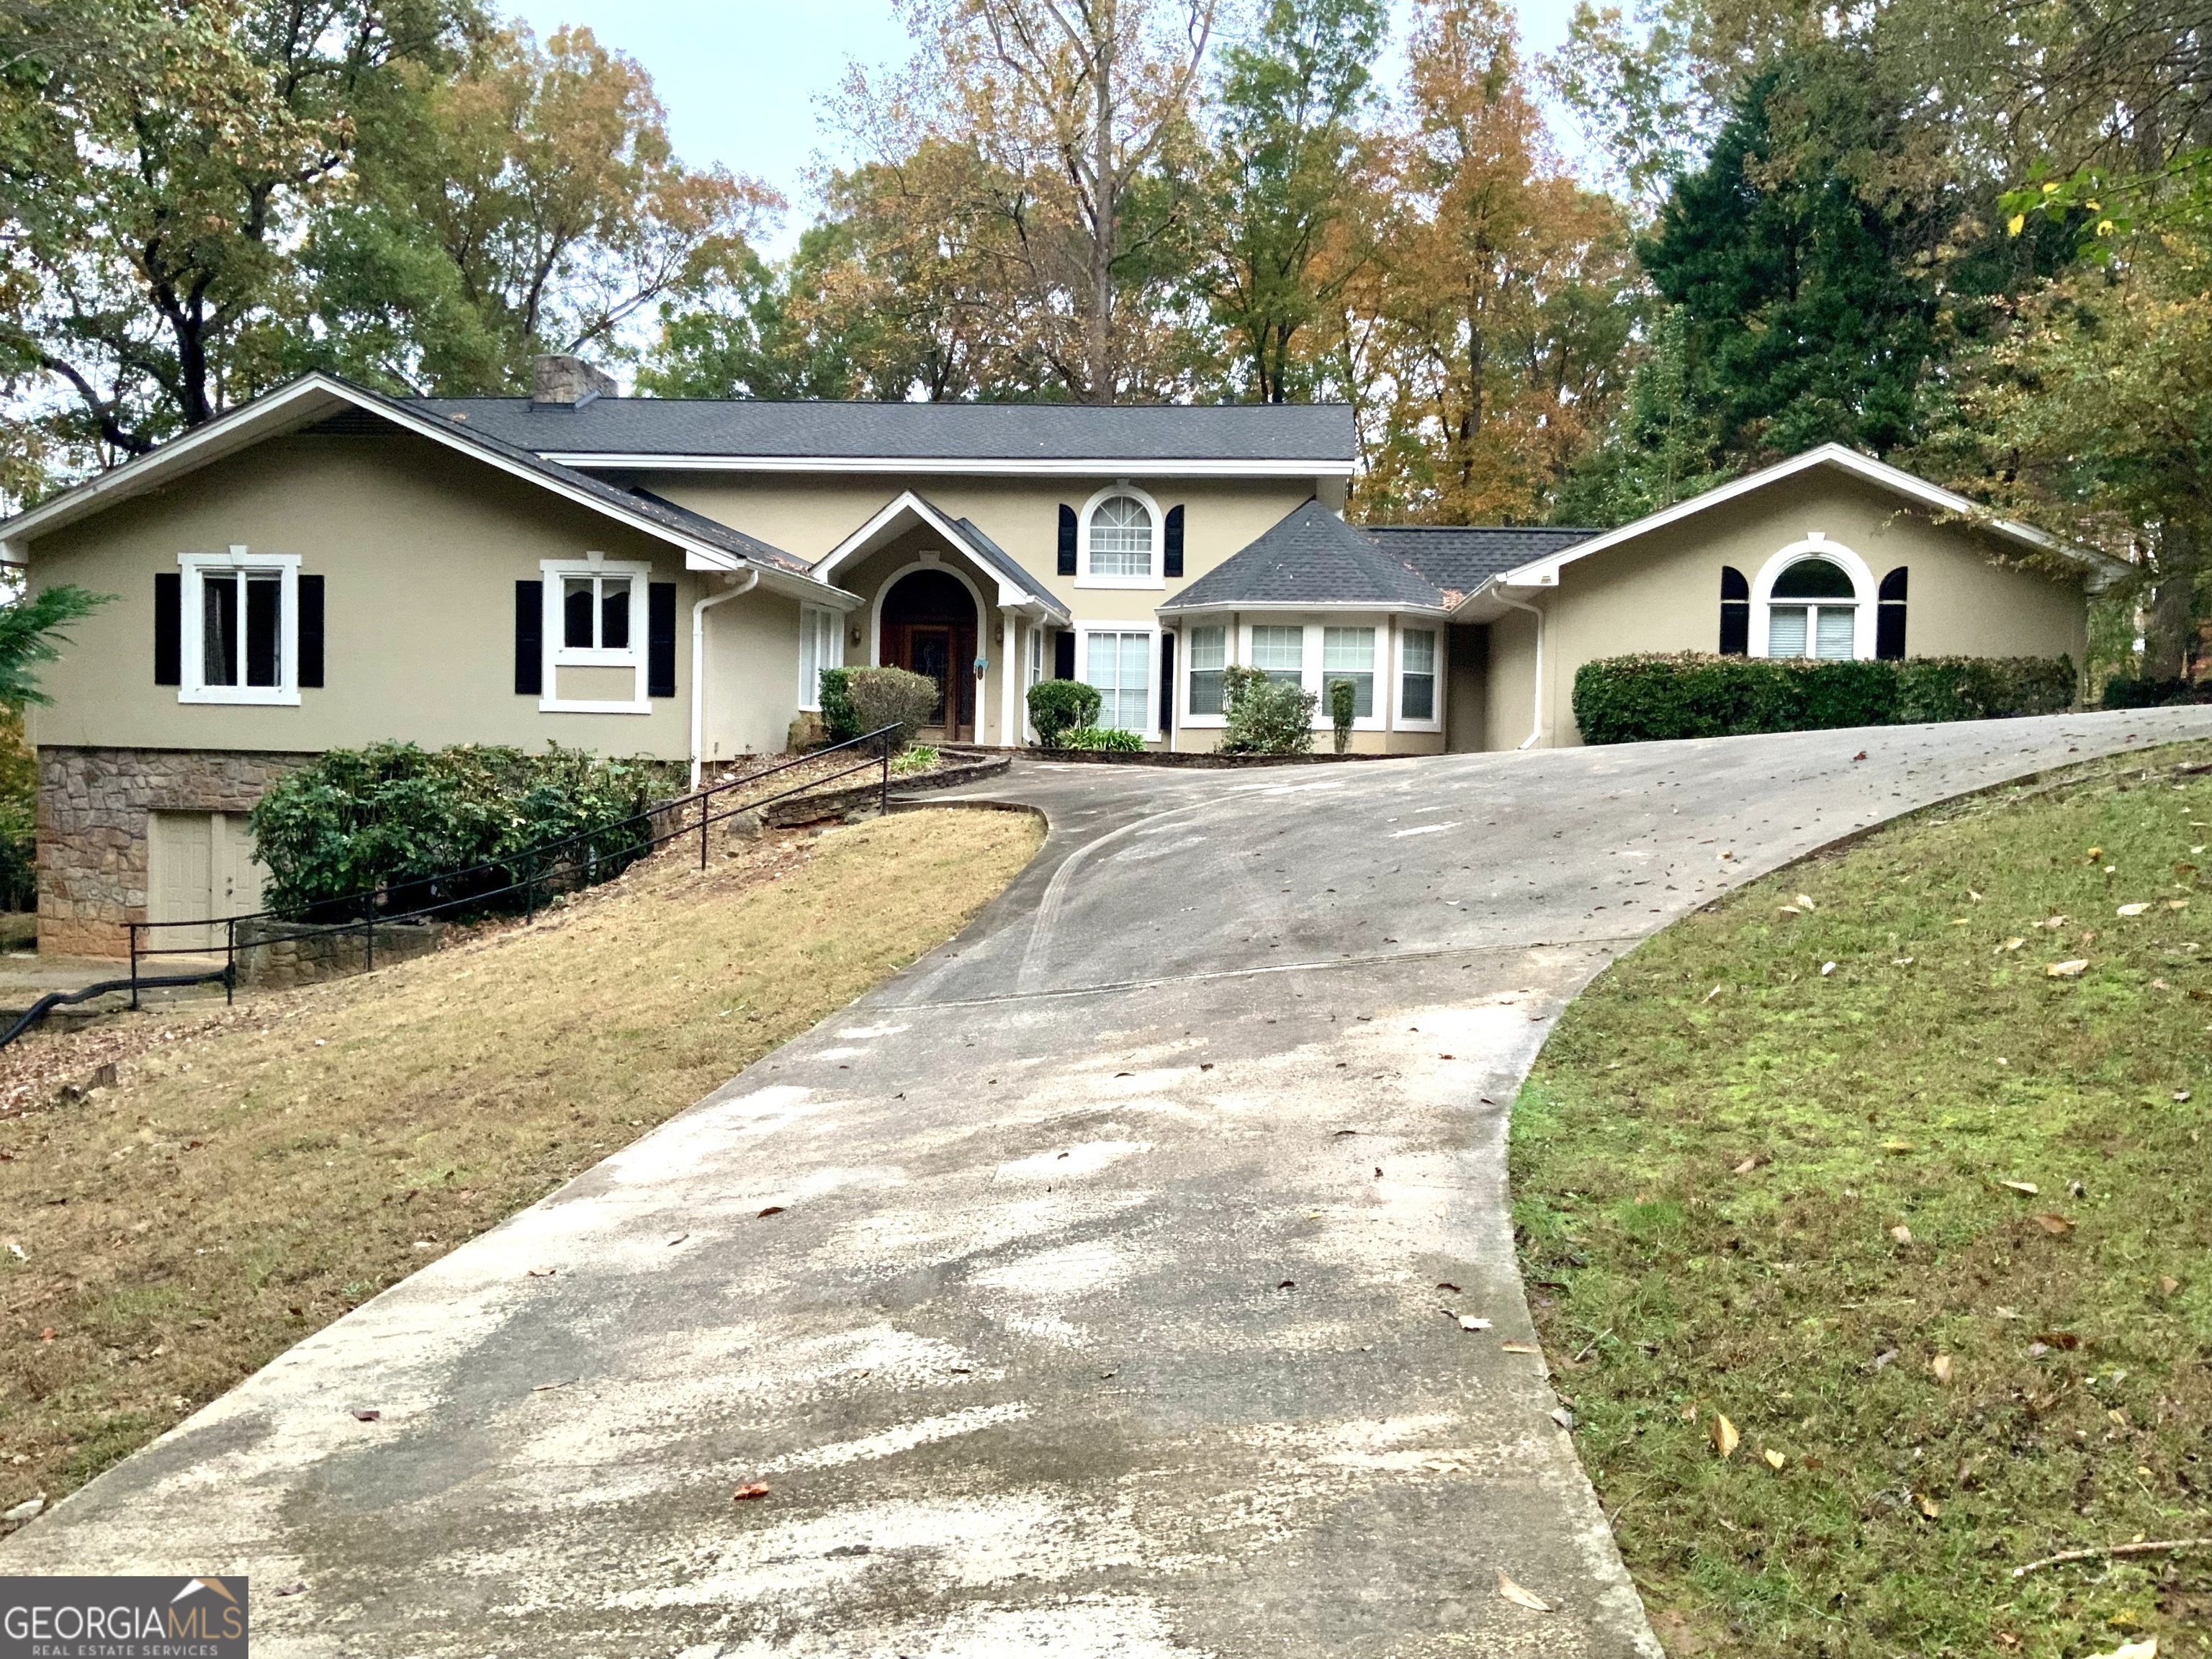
point(929, 653)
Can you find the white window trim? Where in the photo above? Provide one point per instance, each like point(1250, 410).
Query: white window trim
point(1032, 673)
point(1816, 546)
point(559, 656)
point(1435, 722)
point(193, 632)
point(813, 616)
point(1151, 733)
point(1185, 668)
point(1082, 576)
point(1316, 652)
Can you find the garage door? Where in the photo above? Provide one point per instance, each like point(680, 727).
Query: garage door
point(198, 865)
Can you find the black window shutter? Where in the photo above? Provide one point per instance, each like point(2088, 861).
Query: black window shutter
point(1735, 613)
point(529, 639)
point(168, 628)
point(1172, 565)
point(310, 630)
point(1067, 546)
point(1167, 654)
point(661, 639)
point(1063, 655)
point(1889, 619)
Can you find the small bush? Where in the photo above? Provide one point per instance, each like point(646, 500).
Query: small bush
point(920, 758)
point(1343, 708)
point(1057, 706)
point(1265, 716)
point(840, 719)
point(1643, 698)
point(408, 819)
point(892, 696)
point(1112, 739)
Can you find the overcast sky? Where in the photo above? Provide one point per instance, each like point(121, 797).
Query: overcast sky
point(741, 78)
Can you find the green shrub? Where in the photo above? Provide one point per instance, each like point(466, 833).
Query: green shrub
point(840, 719)
point(1057, 706)
point(19, 815)
point(1265, 716)
point(920, 758)
point(1641, 698)
point(1343, 708)
point(892, 696)
point(406, 819)
point(1111, 739)
point(2123, 691)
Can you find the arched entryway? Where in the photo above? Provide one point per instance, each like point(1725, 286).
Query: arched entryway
point(928, 626)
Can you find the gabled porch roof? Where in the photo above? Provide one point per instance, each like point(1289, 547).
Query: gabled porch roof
point(1016, 589)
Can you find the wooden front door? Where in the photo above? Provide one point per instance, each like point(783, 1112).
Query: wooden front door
point(929, 628)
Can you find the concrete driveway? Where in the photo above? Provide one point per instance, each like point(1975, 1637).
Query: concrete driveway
point(1094, 1288)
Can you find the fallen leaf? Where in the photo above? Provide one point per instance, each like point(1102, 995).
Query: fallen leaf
point(1725, 1438)
point(2065, 1340)
point(1972, 895)
point(1563, 1417)
point(2132, 1650)
point(1805, 901)
point(1521, 1598)
point(1748, 1165)
point(2180, 1095)
point(2168, 1285)
point(1902, 962)
point(365, 1416)
point(2133, 910)
point(2013, 943)
point(1790, 910)
point(1288, 1284)
point(1469, 1322)
point(1901, 1233)
point(2027, 1187)
point(2095, 854)
point(751, 1489)
point(47, 1334)
point(2071, 968)
point(1861, 756)
point(1927, 1505)
point(773, 1209)
point(2057, 1225)
point(299, 1588)
point(25, 1510)
point(1775, 1460)
point(1826, 968)
point(542, 1272)
point(1941, 1364)
point(1446, 1285)
point(2177, 904)
point(18, 1251)
point(1898, 1147)
point(1519, 1347)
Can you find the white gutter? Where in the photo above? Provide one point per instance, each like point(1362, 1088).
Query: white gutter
point(1537, 728)
point(699, 667)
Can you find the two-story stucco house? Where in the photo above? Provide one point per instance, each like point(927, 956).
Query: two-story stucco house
point(327, 566)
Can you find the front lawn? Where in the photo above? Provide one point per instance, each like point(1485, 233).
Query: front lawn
point(1928, 1227)
point(251, 1176)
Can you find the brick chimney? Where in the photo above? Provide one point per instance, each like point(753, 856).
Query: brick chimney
point(564, 382)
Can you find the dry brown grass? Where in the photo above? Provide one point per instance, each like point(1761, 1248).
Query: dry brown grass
point(251, 1176)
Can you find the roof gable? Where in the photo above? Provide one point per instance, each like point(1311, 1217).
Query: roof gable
point(324, 401)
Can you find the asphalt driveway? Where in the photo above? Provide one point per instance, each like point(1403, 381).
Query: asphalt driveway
point(1094, 1288)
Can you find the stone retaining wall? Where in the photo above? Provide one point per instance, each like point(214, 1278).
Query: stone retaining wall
point(93, 805)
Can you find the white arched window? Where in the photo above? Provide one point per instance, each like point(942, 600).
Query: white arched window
point(1814, 598)
point(1121, 529)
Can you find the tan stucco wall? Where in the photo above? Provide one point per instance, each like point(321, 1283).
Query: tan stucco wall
point(809, 516)
point(420, 548)
point(1662, 592)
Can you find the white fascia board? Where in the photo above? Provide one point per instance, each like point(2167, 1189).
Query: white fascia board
point(1545, 572)
point(1134, 467)
point(1248, 607)
point(887, 522)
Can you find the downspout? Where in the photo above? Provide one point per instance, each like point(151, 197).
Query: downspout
point(1537, 727)
point(699, 667)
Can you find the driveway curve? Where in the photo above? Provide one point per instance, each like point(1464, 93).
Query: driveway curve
point(1097, 1286)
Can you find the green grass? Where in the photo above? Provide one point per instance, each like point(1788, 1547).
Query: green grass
point(1900, 1089)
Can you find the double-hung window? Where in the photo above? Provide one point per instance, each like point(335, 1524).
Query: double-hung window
point(1209, 656)
point(1348, 653)
point(1280, 652)
point(1417, 674)
point(239, 627)
point(1812, 611)
point(595, 636)
point(1119, 665)
point(820, 646)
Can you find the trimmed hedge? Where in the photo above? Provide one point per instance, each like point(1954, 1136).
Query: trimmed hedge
point(1643, 698)
point(1058, 707)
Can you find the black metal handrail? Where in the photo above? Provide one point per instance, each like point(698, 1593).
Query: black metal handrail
point(672, 810)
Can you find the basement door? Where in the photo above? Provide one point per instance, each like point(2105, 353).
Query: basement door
point(200, 864)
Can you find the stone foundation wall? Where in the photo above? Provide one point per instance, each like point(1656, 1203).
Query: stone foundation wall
point(93, 805)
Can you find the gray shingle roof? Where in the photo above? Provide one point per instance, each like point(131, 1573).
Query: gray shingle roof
point(647, 427)
point(1310, 557)
point(1459, 558)
point(989, 552)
